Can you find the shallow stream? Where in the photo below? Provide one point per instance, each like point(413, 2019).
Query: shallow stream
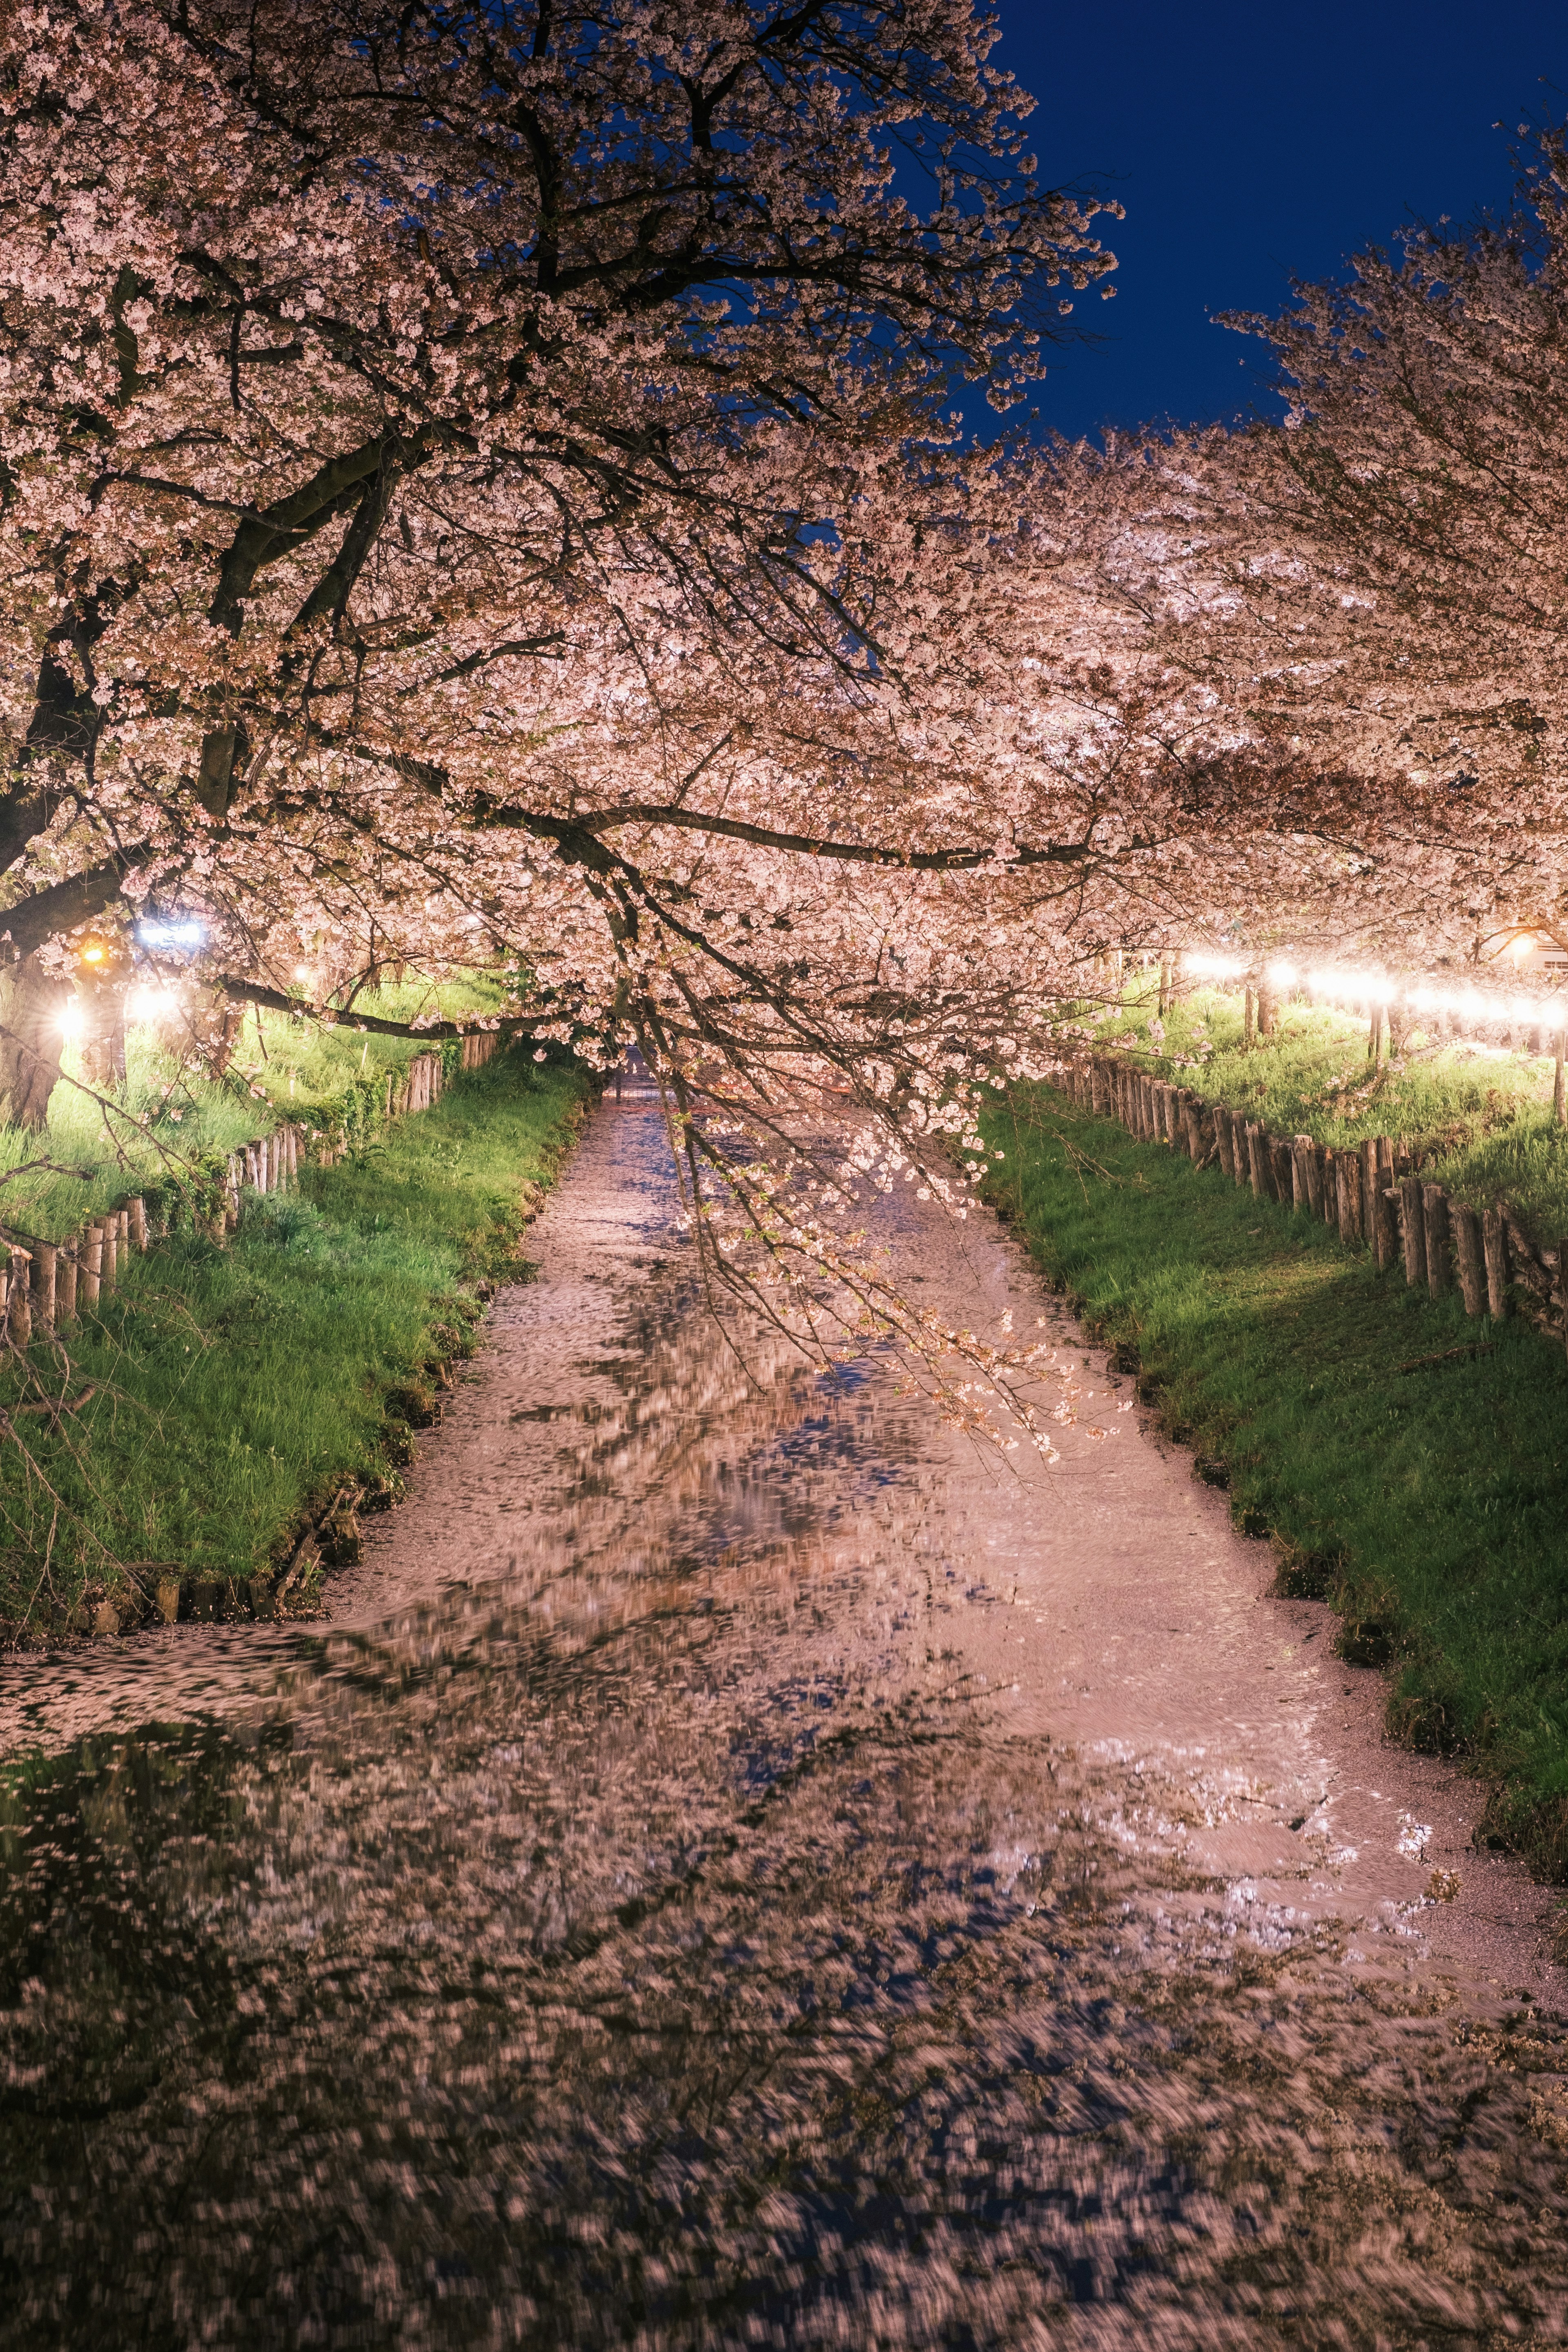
point(743, 1865)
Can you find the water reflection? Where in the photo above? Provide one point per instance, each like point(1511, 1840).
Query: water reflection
point(684, 1935)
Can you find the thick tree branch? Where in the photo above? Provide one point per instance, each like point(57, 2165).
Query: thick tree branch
point(252, 991)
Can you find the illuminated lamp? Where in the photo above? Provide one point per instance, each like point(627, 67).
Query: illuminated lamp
point(171, 932)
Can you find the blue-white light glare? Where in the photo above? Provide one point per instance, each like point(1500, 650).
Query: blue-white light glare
point(184, 931)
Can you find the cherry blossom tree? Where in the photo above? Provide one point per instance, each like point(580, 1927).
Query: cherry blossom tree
point(1400, 603)
point(363, 366)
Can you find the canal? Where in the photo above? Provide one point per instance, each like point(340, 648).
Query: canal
point(743, 1864)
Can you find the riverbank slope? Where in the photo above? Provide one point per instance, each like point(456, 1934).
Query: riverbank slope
point(225, 1413)
point(1420, 1487)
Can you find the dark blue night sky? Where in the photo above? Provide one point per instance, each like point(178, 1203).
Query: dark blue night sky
point(1253, 144)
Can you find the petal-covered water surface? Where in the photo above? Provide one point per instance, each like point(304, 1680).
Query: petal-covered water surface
point(743, 1867)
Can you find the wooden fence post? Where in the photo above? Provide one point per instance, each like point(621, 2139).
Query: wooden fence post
point(43, 1281)
point(65, 1283)
point(136, 1210)
point(1468, 1250)
point(1435, 1208)
point(1413, 1219)
point(1300, 1181)
point(1494, 1245)
point(1384, 1231)
point(19, 1311)
point(91, 1277)
point(1281, 1168)
point(1192, 1111)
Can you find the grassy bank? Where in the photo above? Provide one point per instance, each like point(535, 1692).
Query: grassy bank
point(172, 1117)
point(1430, 1504)
point(1481, 1116)
point(235, 1392)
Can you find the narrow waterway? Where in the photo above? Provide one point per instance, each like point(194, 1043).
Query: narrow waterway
point(743, 1865)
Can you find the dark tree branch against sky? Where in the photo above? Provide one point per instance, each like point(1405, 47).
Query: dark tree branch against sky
point(1251, 145)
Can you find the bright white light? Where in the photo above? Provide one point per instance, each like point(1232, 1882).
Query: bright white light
point(70, 1021)
point(1352, 988)
point(171, 932)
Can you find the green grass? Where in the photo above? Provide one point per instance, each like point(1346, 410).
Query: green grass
point(1481, 1119)
point(1430, 1507)
point(235, 1387)
point(171, 1118)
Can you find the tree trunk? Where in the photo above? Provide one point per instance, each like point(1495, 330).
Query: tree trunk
point(32, 1004)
